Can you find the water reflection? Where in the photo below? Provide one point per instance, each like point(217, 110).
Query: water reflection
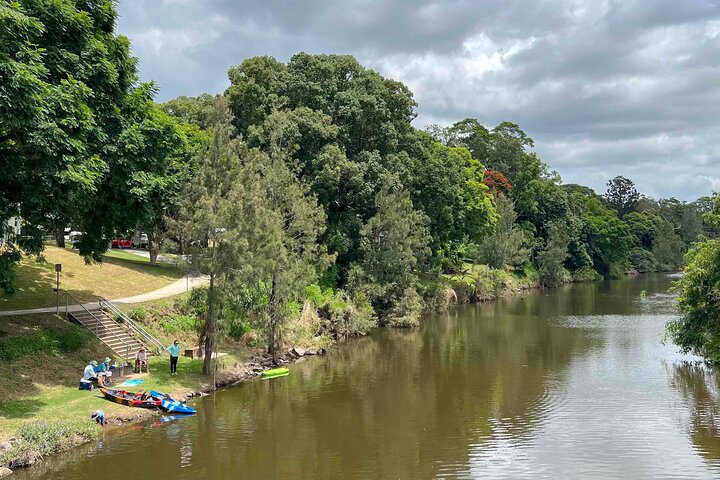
point(571, 383)
point(698, 385)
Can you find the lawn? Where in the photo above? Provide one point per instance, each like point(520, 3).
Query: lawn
point(43, 385)
point(121, 274)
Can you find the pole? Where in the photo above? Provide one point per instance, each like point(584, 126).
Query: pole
point(58, 269)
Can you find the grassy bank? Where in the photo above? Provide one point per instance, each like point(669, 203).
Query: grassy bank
point(120, 275)
point(41, 362)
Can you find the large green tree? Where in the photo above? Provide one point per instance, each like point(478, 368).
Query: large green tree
point(698, 330)
point(81, 140)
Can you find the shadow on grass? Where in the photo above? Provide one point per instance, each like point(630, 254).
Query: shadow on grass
point(23, 408)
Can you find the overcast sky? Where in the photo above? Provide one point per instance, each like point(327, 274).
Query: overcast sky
point(604, 87)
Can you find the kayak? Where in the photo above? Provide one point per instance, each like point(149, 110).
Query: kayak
point(171, 405)
point(131, 399)
point(275, 372)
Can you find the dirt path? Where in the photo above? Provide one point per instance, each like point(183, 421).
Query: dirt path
point(183, 285)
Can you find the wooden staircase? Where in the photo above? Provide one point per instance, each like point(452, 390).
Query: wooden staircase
point(110, 332)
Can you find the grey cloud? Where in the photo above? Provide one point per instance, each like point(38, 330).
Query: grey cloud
point(604, 87)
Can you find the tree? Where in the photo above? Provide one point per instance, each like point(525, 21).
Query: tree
point(698, 330)
point(608, 238)
point(256, 230)
point(622, 196)
point(551, 259)
point(80, 138)
point(273, 229)
point(203, 209)
point(508, 245)
point(394, 243)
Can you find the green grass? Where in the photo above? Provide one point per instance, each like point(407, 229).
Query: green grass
point(35, 440)
point(42, 384)
point(120, 275)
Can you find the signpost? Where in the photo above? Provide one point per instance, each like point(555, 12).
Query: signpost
point(58, 269)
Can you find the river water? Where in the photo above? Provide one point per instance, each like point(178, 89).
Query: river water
point(568, 383)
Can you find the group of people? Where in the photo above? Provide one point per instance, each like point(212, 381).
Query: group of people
point(142, 360)
point(101, 375)
point(98, 375)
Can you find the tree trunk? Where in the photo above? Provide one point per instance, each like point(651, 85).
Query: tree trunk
point(154, 249)
point(272, 321)
point(60, 236)
point(210, 328)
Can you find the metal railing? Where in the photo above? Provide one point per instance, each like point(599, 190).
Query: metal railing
point(67, 296)
point(151, 341)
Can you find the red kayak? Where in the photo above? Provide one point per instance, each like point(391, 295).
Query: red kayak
point(131, 399)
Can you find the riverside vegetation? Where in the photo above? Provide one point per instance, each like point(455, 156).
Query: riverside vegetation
point(304, 191)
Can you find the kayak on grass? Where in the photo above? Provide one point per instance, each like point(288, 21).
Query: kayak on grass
point(275, 372)
point(171, 405)
point(131, 399)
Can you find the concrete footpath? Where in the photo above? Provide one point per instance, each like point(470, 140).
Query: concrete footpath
point(183, 285)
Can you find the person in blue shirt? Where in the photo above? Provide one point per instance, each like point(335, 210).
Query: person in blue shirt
point(174, 350)
point(99, 417)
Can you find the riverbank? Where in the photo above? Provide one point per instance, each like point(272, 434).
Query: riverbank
point(42, 359)
point(60, 397)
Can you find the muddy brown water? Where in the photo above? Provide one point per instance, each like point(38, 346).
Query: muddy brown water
point(570, 383)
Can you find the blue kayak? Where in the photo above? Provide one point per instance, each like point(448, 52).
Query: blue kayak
point(171, 405)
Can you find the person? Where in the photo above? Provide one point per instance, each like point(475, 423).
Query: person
point(99, 417)
point(90, 375)
point(141, 360)
point(105, 370)
point(174, 350)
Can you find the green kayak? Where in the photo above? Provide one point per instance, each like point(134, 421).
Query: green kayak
point(275, 372)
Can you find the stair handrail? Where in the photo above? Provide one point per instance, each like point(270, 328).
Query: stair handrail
point(132, 325)
point(67, 296)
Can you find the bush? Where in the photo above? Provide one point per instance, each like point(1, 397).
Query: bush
point(406, 311)
point(179, 324)
point(55, 342)
point(138, 314)
point(643, 260)
point(35, 440)
point(586, 274)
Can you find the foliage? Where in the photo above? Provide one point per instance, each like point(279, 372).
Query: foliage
point(698, 330)
point(38, 439)
point(82, 142)
point(621, 195)
point(394, 245)
point(342, 316)
point(643, 260)
point(497, 182)
point(552, 258)
point(406, 309)
point(508, 245)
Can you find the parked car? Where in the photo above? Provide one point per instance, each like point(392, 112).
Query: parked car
point(121, 243)
point(140, 240)
point(74, 238)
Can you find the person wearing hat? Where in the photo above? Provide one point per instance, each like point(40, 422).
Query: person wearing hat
point(141, 360)
point(106, 370)
point(90, 375)
point(99, 417)
point(174, 350)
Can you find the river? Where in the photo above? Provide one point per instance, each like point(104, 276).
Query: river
point(567, 383)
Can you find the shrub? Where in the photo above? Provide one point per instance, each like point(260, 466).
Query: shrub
point(406, 311)
point(35, 440)
point(138, 314)
point(586, 274)
point(643, 260)
point(179, 323)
